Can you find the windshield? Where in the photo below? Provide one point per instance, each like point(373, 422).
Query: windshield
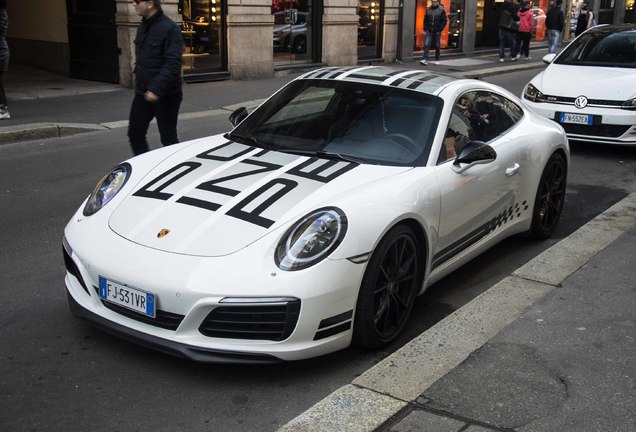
point(352, 121)
point(602, 48)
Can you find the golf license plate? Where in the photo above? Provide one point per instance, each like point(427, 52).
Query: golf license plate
point(127, 296)
point(576, 118)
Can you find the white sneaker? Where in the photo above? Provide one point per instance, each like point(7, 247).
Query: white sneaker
point(527, 58)
point(501, 60)
point(423, 62)
point(436, 61)
point(518, 56)
point(5, 114)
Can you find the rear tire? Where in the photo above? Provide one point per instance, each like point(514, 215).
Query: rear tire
point(388, 289)
point(548, 203)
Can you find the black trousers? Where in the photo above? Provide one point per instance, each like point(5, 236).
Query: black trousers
point(523, 43)
point(165, 110)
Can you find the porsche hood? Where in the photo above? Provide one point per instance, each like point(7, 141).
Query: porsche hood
point(220, 198)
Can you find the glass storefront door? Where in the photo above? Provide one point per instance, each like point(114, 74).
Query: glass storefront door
point(370, 18)
point(293, 31)
point(203, 30)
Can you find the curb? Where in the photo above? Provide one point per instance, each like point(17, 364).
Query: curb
point(34, 131)
point(37, 131)
point(383, 391)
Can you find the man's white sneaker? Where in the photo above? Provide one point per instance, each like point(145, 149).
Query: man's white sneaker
point(423, 62)
point(436, 61)
point(4, 114)
point(501, 60)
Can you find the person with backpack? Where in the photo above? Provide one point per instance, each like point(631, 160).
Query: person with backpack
point(507, 29)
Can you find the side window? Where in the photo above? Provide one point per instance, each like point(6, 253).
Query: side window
point(458, 134)
point(501, 113)
point(465, 125)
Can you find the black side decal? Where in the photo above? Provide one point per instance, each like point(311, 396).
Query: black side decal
point(507, 215)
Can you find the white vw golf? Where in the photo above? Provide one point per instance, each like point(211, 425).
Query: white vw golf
point(590, 87)
point(316, 221)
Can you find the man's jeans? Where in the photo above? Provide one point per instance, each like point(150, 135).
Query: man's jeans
point(427, 45)
point(553, 38)
point(507, 38)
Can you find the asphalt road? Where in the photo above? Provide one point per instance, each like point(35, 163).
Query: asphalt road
point(57, 373)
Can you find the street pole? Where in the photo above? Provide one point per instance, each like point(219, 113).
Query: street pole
point(566, 27)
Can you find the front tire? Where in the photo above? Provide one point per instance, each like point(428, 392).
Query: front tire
point(550, 198)
point(388, 289)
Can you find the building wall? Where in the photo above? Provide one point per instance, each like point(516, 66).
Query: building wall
point(39, 37)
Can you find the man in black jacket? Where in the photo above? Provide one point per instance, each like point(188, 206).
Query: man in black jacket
point(434, 22)
point(158, 94)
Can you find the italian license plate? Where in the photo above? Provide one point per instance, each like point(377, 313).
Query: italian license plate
point(127, 296)
point(576, 118)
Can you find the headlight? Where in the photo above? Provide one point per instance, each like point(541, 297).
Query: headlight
point(107, 188)
point(311, 239)
point(630, 104)
point(533, 94)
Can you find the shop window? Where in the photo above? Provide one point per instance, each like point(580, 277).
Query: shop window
point(370, 19)
point(292, 33)
point(203, 30)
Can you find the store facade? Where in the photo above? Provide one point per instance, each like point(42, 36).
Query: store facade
point(240, 39)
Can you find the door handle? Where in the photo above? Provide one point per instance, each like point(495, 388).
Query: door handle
point(514, 169)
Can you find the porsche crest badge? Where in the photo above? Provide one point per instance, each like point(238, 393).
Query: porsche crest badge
point(164, 232)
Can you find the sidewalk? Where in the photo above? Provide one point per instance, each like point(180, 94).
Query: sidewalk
point(45, 105)
point(550, 348)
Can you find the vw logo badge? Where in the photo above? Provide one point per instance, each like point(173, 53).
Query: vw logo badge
point(580, 102)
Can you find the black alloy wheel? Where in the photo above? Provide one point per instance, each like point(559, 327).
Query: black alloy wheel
point(550, 198)
point(388, 289)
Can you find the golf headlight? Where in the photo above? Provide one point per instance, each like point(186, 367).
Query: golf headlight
point(630, 104)
point(311, 239)
point(533, 94)
point(107, 188)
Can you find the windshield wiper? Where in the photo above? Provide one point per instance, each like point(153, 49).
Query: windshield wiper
point(322, 154)
point(334, 155)
point(244, 139)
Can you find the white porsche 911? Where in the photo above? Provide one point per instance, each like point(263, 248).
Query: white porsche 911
point(590, 87)
point(316, 221)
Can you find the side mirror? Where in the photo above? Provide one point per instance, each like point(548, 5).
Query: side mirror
point(548, 58)
point(238, 115)
point(475, 153)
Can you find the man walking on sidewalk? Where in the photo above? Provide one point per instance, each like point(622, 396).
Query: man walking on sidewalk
point(158, 93)
point(434, 23)
point(554, 22)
